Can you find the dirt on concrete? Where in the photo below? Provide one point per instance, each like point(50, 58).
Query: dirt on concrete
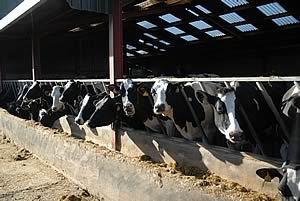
point(25, 177)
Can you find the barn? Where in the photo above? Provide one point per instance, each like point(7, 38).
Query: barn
point(105, 41)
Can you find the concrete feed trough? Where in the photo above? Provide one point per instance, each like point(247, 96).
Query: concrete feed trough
point(83, 165)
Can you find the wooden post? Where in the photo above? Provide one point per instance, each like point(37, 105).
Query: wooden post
point(115, 53)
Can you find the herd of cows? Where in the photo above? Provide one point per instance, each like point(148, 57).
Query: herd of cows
point(211, 112)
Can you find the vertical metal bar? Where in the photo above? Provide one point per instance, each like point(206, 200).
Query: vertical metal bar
point(273, 108)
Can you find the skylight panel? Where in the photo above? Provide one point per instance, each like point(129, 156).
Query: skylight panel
point(271, 9)
point(287, 20)
point(129, 54)
point(235, 3)
point(164, 42)
point(174, 30)
point(162, 50)
point(204, 10)
point(200, 24)
point(141, 41)
point(149, 44)
point(142, 52)
point(150, 36)
point(246, 27)
point(215, 33)
point(189, 38)
point(232, 18)
point(169, 18)
point(192, 12)
point(155, 47)
point(130, 47)
point(146, 24)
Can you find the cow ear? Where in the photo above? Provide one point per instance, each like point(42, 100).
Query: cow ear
point(268, 174)
point(142, 91)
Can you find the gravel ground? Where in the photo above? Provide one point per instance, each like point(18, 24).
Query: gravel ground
point(24, 177)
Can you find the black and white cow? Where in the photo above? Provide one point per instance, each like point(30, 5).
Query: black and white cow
point(289, 173)
point(210, 110)
point(88, 107)
point(137, 105)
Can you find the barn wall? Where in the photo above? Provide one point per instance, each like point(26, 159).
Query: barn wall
point(63, 56)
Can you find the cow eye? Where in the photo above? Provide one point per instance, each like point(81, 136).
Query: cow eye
point(220, 107)
point(153, 92)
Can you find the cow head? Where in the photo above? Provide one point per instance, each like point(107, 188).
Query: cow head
point(228, 126)
point(105, 112)
point(289, 180)
point(56, 93)
point(159, 92)
point(88, 107)
point(33, 92)
point(71, 92)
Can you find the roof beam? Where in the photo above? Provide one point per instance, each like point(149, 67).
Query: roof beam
point(17, 12)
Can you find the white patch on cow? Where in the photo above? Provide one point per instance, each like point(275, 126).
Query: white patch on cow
point(57, 104)
point(153, 124)
point(79, 117)
point(190, 132)
point(229, 100)
point(159, 97)
point(293, 90)
point(127, 84)
point(42, 113)
point(293, 182)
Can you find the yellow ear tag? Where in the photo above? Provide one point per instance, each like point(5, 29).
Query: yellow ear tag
point(268, 178)
point(145, 93)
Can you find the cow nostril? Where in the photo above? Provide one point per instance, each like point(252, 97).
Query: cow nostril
point(236, 135)
point(159, 108)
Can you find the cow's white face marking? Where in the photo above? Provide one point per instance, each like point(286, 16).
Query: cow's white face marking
point(127, 104)
point(56, 104)
point(79, 118)
point(158, 92)
point(293, 182)
point(229, 100)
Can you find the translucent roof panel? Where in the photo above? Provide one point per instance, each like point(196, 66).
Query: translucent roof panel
point(169, 18)
point(149, 44)
point(130, 47)
point(146, 24)
point(192, 12)
point(163, 50)
point(189, 38)
point(235, 3)
point(287, 20)
point(141, 41)
point(174, 30)
point(246, 27)
point(204, 10)
point(164, 42)
point(155, 47)
point(215, 33)
point(129, 54)
point(142, 52)
point(271, 9)
point(150, 36)
point(200, 24)
point(232, 18)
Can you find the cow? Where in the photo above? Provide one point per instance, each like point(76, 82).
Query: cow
point(109, 110)
point(210, 110)
point(289, 173)
point(259, 114)
point(88, 107)
point(138, 104)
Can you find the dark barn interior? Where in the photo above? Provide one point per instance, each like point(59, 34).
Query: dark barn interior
point(178, 38)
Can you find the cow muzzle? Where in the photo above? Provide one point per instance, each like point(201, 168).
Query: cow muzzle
point(129, 110)
point(236, 136)
point(158, 109)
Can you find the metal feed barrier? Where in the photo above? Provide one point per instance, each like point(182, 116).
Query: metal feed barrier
point(15, 85)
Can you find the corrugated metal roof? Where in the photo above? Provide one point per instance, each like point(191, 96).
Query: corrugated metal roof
point(99, 6)
point(8, 5)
